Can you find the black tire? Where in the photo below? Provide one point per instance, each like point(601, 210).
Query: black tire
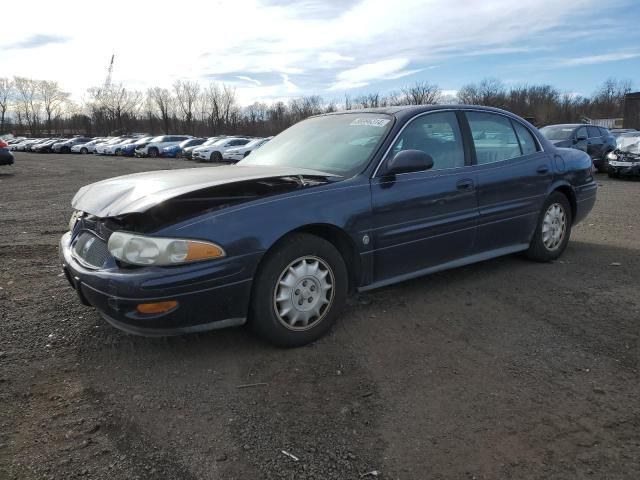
point(216, 157)
point(153, 152)
point(300, 247)
point(538, 250)
point(84, 151)
point(246, 154)
point(118, 152)
point(611, 174)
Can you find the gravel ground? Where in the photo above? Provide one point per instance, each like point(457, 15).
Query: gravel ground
point(502, 370)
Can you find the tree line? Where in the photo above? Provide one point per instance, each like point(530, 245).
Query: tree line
point(42, 107)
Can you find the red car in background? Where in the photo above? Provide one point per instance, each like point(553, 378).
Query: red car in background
point(6, 157)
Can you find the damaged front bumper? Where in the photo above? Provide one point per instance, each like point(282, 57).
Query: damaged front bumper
point(209, 295)
point(624, 167)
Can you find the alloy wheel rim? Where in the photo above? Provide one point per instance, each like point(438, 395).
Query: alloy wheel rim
point(554, 227)
point(304, 293)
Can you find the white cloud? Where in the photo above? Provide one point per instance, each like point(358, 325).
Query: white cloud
point(332, 58)
point(365, 74)
point(249, 79)
point(318, 45)
point(604, 58)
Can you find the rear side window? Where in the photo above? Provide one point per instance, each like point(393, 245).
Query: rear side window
point(527, 142)
point(436, 134)
point(593, 132)
point(493, 137)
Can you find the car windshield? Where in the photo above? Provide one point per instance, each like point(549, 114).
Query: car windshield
point(158, 139)
point(142, 140)
point(331, 143)
point(629, 142)
point(557, 132)
point(211, 141)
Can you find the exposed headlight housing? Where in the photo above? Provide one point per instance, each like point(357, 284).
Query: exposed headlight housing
point(612, 156)
point(75, 216)
point(147, 251)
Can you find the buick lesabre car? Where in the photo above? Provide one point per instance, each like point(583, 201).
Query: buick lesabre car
point(341, 202)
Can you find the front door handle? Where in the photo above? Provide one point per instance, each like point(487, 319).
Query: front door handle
point(466, 184)
point(543, 169)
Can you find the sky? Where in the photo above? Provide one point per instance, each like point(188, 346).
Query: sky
point(275, 49)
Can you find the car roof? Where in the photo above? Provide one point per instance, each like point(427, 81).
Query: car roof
point(405, 111)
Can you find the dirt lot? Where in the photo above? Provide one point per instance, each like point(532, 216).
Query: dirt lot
point(505, 369)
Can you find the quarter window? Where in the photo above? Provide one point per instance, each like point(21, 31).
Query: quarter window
point(527, 142)
point(436, 134)
point(582, 132)
point(493, 137)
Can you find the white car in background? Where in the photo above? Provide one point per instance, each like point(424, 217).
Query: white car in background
point(101, 148)
point(116, 148)
point(88, 147)
point(236, 154)
point(214, 152)
point(155, 146)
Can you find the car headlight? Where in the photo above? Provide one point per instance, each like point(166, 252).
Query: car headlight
point(612, 156)
point(145, 251)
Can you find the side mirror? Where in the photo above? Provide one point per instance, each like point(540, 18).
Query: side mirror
point(406, 161)
point(580, 138)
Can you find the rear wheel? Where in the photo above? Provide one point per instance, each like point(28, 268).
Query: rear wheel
point(553, 231)
point(298, 291)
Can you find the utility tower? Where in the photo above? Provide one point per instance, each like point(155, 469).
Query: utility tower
point(107, 81)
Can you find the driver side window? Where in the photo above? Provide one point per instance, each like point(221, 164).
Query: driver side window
point(436, 134)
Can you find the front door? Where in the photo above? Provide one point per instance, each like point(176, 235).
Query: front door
point(424, 219)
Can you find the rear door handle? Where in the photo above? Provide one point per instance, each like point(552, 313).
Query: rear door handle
point(466, 184)
point(543, 169)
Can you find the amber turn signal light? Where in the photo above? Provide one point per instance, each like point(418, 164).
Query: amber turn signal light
point(156, 307)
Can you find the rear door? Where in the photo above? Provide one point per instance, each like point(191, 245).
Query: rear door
point(428, 218)
point(595, 143)
point(513, 176)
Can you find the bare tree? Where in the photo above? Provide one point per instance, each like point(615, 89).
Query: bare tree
point(423, 93)
point(53, 99)
point(187, 94)
point(164, 103)
point(609, 98)
point(6, 90)
point(28, 102)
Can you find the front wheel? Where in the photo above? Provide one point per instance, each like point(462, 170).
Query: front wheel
point(84, 151)
point(298, 291)
point(553, 231)
point(216, 157)
point(153, 152)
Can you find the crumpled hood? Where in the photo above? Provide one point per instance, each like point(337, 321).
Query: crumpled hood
point(140, 191)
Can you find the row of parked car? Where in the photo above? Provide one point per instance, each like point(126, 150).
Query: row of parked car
point(605, 147)
point(216, 149)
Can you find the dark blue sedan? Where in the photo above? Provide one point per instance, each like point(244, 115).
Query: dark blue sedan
point(343, 202)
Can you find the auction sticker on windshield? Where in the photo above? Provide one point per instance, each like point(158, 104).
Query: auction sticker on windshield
point(371, 122)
